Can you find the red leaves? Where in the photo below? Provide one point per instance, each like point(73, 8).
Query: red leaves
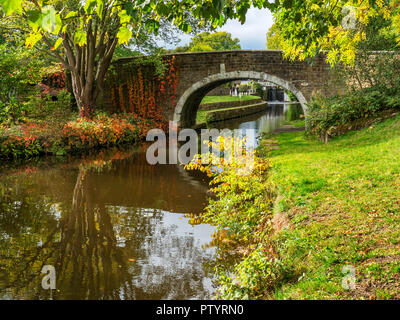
point(101, 131)
point(147, 95)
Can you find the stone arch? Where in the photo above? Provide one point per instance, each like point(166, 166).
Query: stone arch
point(187, 105)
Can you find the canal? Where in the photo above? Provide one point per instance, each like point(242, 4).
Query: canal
point(113, 226)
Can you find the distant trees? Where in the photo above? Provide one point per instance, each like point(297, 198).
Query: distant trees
point(211, 41)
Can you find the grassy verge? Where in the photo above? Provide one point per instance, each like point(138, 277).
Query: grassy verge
point(342, 203)
point(201, 116)
point(213, 99)
point(313, 213)
point(296, 123)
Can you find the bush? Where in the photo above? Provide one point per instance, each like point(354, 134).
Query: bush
point(45, 109)
point(327, 113)
point(20, 141)
point(19, 68)
point(101, 131)
point(31, 139)
point(242, 213)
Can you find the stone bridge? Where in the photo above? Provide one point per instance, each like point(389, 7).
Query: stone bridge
point(201, 72)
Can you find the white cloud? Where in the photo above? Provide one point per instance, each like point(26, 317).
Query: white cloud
point(251, 34)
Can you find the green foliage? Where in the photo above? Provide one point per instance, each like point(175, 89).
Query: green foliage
point(44, 109)
point(308, 27)
point(207, 41)
point(90, 31)
point(242, 209)
point(259, 89)
point(294, 112)
point(19, 68)
point(243, 87)
point(254, 276)
point(325, 113)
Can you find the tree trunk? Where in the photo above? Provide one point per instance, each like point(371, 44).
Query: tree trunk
point(88, 73)
point(85, 94)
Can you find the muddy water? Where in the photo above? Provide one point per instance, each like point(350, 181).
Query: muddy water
point(113, 226)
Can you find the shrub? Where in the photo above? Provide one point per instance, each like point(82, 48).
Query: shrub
point(19, 141)
point(18, 69)
point(43, 108)
point(327, 113)
point(34, 138)
point(101, 131)
point(243, 209)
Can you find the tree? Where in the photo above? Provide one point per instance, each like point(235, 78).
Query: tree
point(274, 38)
point(90, 31)
point(337, 27)
point(211, 41)
point(199, 47)
point(18, 69)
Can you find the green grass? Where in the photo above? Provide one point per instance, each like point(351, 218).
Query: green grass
point(295, 123)
point(213, 99)
point(202, 114)
point(343, 203)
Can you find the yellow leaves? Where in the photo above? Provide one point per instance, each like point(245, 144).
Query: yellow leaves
point(315, 7)
point(32, 39)
point(11, 6)
point(57, 44)
point(124, 35)
point(124, 17)
point(80, 37)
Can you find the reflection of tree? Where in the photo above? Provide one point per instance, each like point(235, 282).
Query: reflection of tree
point(171, 266)
point(103, 229)
point(28, 227)
point(91, 264)
point(81, 244)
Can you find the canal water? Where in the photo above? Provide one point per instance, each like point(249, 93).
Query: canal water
point(111, 225)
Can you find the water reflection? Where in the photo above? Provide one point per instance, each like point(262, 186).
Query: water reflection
point(110, 228)
point(111, 224)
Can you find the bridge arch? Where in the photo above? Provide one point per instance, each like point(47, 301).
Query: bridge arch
point(187, 105)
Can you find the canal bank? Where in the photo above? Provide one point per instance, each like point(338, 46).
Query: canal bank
point(317, 212)
point(236, 112)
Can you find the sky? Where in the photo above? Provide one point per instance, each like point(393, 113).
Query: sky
point(251, 34)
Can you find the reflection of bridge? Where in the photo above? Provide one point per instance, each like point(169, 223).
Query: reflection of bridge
point(201, 72)
point(133, 182)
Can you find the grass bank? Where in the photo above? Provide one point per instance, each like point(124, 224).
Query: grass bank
point(201, 116)
point(341, 204)
point(308, 215)
point(214, 99)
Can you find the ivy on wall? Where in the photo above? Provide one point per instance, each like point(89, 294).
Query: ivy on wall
point(143, 93)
